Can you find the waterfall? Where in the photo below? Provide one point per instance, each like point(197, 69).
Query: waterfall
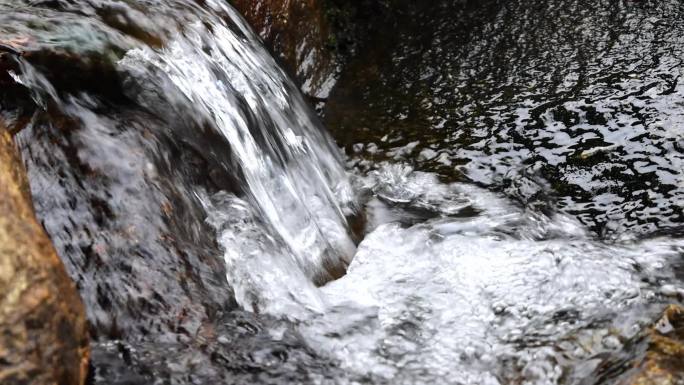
point(211, 73)
point(296, 190)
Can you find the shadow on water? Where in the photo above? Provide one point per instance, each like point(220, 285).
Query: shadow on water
point(568, 104)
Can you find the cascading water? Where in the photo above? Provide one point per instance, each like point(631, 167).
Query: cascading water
point(214, 73)
point(297, 191)
point(168, 152)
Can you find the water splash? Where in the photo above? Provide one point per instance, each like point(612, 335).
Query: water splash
point(492, 295)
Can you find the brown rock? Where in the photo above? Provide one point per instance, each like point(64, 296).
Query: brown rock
point(43, 329)
point(299, 35)
point(316, 39)
point(663, 363)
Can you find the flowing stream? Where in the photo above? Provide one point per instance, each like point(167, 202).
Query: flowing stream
point(218, 234)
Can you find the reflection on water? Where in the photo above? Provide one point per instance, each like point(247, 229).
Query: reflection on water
point(571, 100)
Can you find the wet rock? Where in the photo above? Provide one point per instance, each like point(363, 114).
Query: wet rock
point(655, 356)
point(242, 351)
point(297, 32)
point(111, 190)
point(663, 363)
point(315, 38)
point(117, 180)
point(43, 329)
point(126, 222)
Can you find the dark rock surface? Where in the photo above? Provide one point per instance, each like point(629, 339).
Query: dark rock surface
point(132, 237)
point(314, 39)
point(297, 32)
point(43, 328)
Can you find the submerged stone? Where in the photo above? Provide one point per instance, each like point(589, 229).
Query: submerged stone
point(663, 363)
